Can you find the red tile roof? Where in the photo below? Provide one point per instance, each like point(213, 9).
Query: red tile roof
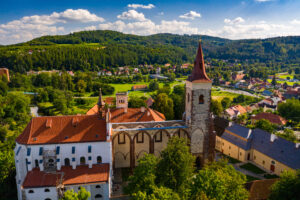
point(275, 119)
point(139, 87)
point(135, 115)
point(199, 75)
point(81, 175)
point(260, 189)
point(63, 129)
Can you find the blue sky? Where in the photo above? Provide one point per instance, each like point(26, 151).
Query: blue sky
point(23, 20)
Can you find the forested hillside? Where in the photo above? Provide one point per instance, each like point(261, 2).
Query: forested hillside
point(94, 50)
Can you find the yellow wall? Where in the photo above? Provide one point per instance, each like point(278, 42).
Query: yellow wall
point(265, 162)
point(258, 158)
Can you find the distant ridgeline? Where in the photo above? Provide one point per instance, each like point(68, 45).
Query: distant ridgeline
point(93, 50)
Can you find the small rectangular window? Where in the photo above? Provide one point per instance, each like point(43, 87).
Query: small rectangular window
point(140, 138)
point(73, 159)
point(90, 157)
point(57, 160)
point(57, 150)
point(121, 138)
point(28, 151)
point(73, 150)
point(158, 137)
point(90, 149)
point(41, 151)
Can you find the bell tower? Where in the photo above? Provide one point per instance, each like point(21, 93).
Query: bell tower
point(197, 111)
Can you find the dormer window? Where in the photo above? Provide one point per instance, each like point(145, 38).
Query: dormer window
point(201, 99)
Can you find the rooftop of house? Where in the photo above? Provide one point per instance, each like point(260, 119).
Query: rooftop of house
point(63, 129)
point(260, 189)
point(81, 175)
point(275, 119)
point(275, 147)
point(119, 115)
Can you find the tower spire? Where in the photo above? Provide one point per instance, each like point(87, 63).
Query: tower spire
point(199, 73)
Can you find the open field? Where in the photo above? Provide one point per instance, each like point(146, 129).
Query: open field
point(288, 82)
point(219, 95)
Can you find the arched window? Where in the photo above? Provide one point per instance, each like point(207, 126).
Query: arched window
point(36, 163)
point(82, 160)
point(67, 162)
point(98, 196)
point(30, 191)
point(98, 186)
point(201, 99)
point(51, 162)
point(47, 190)
point(99, 159)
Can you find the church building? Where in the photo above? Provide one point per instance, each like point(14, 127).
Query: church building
point(58, 153)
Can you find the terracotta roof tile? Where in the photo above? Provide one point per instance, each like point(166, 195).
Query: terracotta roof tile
point(260, 189)
point(135, 115)
point(63, 129)
point(275, 119)
point(81, 175)
point(93, 110)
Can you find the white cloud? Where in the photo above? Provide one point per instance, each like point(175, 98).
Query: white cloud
point(234, 21)
point(149, 27)
point(29, 27)
point(132, 15)
point(295, 22)
point(190, 15)
point(135, 6)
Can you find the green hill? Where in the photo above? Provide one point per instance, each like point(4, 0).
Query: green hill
point(90, 50)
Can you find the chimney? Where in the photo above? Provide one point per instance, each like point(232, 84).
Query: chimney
point(58, 165)
point(74, 121)
point(73, 163)
point(48, 123)
point(142, 109)
point(273, 137)
point(41, 165)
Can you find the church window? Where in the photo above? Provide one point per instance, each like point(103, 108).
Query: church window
point(30, 191)
point(57, 150)
point(28, 151)
point(98, 186)
point(89, 149)
point(229, 147)
point(41, 151)
point(140, 138)
point(47, 190)
point(158, 137)
point(121, 138)
point(99, 159)
point(67, 162)
point(51, 162)
point(201, 99)
point(82, 160)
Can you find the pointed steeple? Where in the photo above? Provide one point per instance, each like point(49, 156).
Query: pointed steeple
point(199, 73)
point(100, 101)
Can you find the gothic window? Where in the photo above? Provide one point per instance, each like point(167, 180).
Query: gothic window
point(158, 137)
point(99, 159)
point(140, 138)
point(82, 160)
point(121, 138)
point(201, 99)
point(67, 162)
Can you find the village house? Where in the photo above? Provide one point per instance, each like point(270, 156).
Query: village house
point(274, 119)
point(4, 72)
point(270, 152)
point(234, 111)
point(139, 87)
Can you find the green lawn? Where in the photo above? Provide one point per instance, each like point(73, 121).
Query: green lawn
point(219, 95)
point(284, 76)
point(252, 168)
point(288, 82)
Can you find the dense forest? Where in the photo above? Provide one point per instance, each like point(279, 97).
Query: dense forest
point(94, 50)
